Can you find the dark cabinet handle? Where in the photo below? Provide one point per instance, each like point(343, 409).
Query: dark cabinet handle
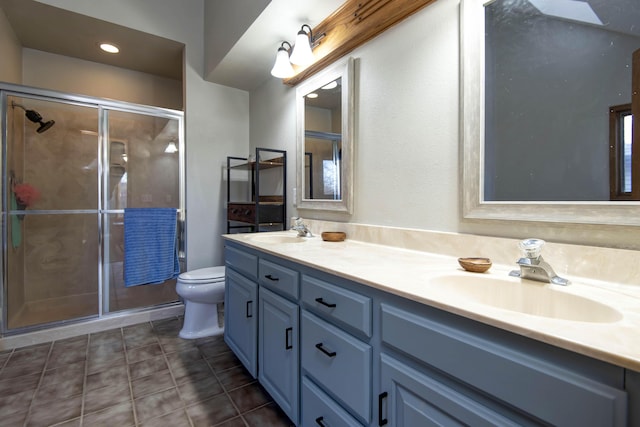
point(326, 304)
point(381, 397)
point(319, 422)
point(272, 278)
point(320, 347)
point(249, 313)
point(287, 339)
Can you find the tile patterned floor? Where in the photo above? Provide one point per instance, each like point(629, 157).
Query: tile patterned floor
point(141, 375)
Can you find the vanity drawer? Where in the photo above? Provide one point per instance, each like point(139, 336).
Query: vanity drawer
point(340, 363)
point(319, 409)
point(241, 261)
point(563, 397)
point(337, 304)
point(278, 278)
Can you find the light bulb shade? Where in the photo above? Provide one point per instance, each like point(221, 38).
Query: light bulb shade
point(282, 68)
point(171, 148)
point(302, 54)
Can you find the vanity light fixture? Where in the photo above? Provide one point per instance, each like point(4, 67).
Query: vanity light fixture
point(302, 54)
point(109, 47)
point(282, 68)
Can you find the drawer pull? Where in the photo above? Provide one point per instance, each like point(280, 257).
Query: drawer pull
point(287, 339)
point(323, 302)
point(272, 278)
point(319, 422)
point(249, 311)
point(320, 347)
point(381, 397)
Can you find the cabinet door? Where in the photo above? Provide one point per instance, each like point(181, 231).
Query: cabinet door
point(278, 351)
point(411, 398)
point(241, 319)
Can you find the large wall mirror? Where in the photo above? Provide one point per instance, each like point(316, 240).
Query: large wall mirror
point(550, 89)
point(324, 105)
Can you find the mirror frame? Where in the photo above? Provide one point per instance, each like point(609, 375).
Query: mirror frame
point(474, 206)
point(345, 70)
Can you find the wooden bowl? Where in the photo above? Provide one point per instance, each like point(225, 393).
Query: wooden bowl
point(475, 265)
point(333, 236)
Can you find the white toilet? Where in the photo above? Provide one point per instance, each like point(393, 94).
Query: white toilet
point(202, 290)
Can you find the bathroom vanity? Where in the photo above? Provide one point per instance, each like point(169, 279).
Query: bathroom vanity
point(350, 333)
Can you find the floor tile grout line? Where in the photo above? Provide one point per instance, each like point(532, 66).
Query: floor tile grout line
point(6, 361)
point(35, 392)
point(173, 378)
point(224, 389)
point(183, 407)
point(84, 380)
point(126, 364)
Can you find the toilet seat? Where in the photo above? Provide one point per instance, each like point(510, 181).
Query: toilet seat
point(203, 275)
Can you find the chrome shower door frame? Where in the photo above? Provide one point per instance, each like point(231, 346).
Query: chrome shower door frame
point(103, 106)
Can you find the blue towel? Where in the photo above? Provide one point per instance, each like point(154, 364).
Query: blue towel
point(150, 249)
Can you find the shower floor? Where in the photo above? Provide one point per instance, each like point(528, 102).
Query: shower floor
point(54, 310)
point(49, 310)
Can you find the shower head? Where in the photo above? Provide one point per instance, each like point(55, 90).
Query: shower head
point(35, 117)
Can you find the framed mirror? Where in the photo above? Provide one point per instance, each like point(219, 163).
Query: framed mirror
point(547, 96)
point(325, 145)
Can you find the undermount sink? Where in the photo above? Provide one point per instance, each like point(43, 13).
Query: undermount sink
point(528, 297)
point(276, 238)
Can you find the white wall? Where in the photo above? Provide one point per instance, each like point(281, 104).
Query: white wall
point(216, 117)
point(407, 131)
point(10, 53)
point(72, 75)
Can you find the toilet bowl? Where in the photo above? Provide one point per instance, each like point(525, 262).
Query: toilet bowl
point(202, 290)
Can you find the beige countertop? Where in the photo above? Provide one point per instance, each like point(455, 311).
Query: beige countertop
point(419, 276)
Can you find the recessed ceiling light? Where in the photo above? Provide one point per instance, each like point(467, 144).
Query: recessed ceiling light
point(109, 48)
point(312, 95)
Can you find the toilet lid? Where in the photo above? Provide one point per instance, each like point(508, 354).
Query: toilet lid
point(203, 275)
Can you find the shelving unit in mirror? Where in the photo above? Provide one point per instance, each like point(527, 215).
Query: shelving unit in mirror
point(256, 191)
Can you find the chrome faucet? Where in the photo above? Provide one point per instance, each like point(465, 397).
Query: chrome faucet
point(533, 266)
point(301, 228)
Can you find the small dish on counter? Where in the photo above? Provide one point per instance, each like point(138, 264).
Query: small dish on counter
point(475, 265)
point(333, 236)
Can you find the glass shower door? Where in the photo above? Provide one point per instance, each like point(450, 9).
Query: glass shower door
point(143, 171)
point(51, 210)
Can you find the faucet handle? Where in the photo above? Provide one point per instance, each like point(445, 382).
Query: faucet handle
point(531, 248)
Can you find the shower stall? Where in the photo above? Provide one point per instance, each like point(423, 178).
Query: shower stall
point(70, 166)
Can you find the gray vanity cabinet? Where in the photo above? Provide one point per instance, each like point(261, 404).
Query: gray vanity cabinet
point(261, 323)
point(334, 352)
point(414, 398)
point(241, 319)
point(481, 376)
point(278, 350)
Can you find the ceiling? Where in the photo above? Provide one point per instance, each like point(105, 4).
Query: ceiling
point(51, 29)
point(246, 64)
